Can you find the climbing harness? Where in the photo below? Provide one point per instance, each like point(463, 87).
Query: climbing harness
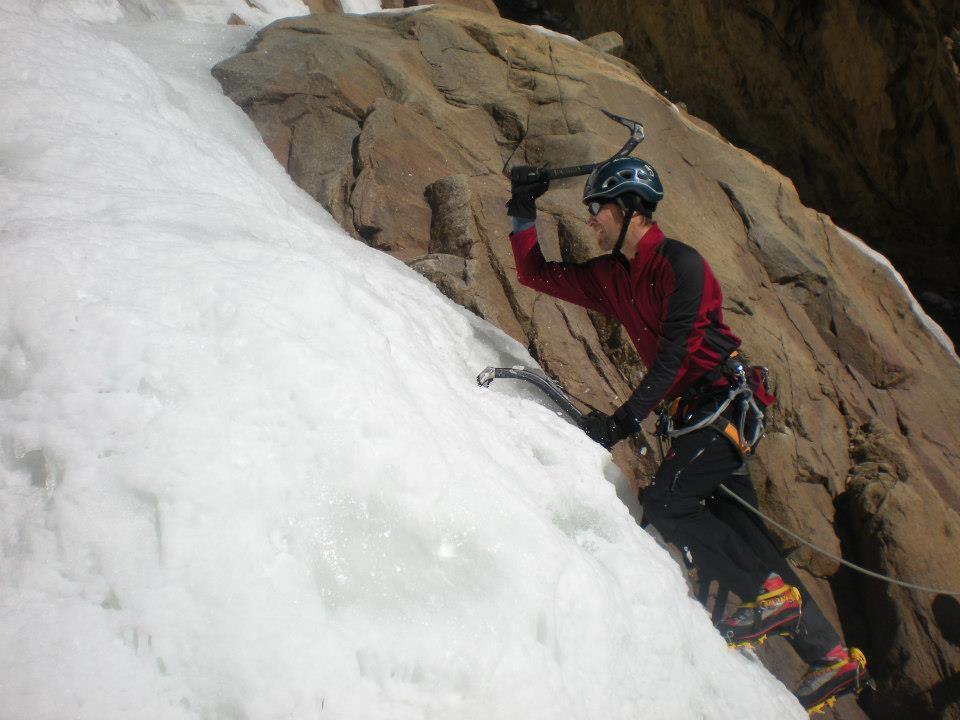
point(746, 395)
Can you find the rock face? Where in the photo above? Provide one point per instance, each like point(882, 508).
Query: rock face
point(401, 126)
point(857, 102)
point(608, 42)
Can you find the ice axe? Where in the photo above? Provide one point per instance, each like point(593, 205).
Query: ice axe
point(550, 387)
point(547, 385)
point(526, 174)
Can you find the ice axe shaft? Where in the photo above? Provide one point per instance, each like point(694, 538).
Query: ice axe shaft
point(548, 386)
point(524, 174)
point(572, 171)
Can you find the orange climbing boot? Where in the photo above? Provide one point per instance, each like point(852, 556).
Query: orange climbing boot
point(840, 672)
point(775, 609)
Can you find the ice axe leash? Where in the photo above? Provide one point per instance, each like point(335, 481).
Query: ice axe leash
point(553, 390)
point(530, 175)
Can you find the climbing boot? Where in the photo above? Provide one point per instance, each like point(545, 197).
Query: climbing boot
point(840, 672)
point(775, 609)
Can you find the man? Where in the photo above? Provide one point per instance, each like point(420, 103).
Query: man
point(668, 300)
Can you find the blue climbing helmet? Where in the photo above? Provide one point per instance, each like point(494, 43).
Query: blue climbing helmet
point(629, 181)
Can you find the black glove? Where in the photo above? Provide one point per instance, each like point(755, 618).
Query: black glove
point(526, 185)
point(603, 429)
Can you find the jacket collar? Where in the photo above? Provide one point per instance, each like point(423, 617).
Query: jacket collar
point(645, 248)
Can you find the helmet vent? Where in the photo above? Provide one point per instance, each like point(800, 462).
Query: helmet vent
point(622, 175)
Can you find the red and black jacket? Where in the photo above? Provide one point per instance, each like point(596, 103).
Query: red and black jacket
point(667, 299)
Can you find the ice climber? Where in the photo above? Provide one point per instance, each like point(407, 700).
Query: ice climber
point(668, 300)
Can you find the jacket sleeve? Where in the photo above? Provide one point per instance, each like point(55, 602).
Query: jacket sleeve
point(680, 330)
point(575, 283)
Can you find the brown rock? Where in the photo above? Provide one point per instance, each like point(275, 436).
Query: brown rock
point(609, 42)
point(402, 124)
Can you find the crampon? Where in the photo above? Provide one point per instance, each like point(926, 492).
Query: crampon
point(775, 612)
point(757, 642)
point(823, 685)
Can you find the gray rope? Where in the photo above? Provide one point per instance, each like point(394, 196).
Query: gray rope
point(852, 566)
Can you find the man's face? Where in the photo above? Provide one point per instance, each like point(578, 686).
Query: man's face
point(606, 225)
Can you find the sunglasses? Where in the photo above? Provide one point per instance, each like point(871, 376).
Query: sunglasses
point(594, 207)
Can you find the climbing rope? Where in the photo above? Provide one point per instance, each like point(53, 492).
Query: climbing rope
point(852, 566)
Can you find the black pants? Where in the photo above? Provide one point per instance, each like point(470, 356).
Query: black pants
point(726, 541)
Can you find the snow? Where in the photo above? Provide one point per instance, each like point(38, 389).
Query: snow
point(553, 34)
point(405, 10)
point(245, 468)
point(928, 323)
point(360, 7)
point(253, 12)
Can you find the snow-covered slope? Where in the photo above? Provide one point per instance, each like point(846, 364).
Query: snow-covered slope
point(245, 469)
